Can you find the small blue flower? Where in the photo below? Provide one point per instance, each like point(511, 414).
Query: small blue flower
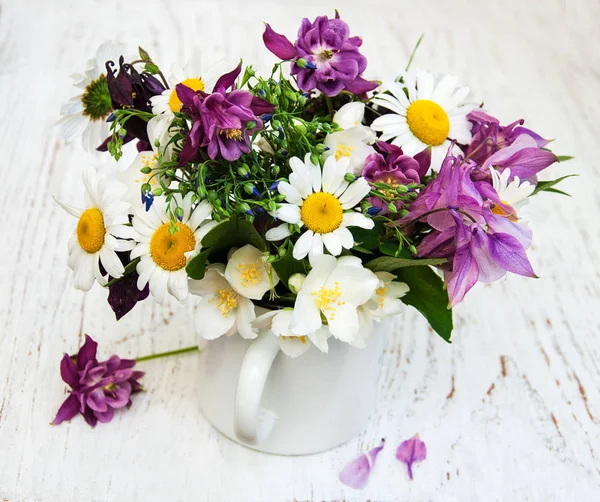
point(255, 192)
point(249, 212)
point(266, 117)
point(284, 152)
point(261, 92)
point(274, 185)
point(310, 66)
point(111, 118)
point(372, 211)
point(148, 199)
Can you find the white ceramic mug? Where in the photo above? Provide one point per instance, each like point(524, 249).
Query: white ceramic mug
point(268, 401)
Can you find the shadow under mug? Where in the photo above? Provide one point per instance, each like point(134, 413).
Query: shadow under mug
point(261, 398)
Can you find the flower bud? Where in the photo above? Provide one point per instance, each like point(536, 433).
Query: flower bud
point(178, 211)
point(295, 282)
point(401, 189)
point(349, 177)
point(301, 62)
point(392, 208)
point(314, 158)
point(145, 170)
point(320, 148)
point(157, 192)
point(412, 249)
point(242, 171)
point(272, 206)
point(251, 124)
point(170, 173)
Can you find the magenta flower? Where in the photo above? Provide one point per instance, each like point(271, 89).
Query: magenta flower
point(97, 388)
point(410, 451)
point(224, 122)
point(330, 60)
point(356, 473)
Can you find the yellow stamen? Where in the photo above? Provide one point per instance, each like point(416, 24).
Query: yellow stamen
point(343, 151)
point(90, 230)
point(235, 134)
point(302, 338)
point(380, 292)
point(328, 300)
point(250, 273)
point(321, 212)
point(168, 250)
point(195, 84)
point(428, 121)
point(227, 300)
point(500, 211)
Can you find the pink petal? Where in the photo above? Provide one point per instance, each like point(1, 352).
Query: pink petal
point(356, 473)
point(410, 451)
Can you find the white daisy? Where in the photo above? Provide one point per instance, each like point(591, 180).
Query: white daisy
point(101, 231)
point(278, 322)
point(324, 203)
point(222, 311)
point(249, 274)
point(515, 193)
point(85, 114)
point(197, 74)
point(433, 114)
point(354, 140)
point(334, 290)
point(164, 255)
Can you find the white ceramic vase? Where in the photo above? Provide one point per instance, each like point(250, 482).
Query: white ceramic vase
point(261, 398)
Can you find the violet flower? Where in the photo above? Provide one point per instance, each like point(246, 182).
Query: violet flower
point(356, 473)
point(410, 451)
point(479, 244)
point(330, 60)
point(224, 122)
point(97, 388)
point(511, 146)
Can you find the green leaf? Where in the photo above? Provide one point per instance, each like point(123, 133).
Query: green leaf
point(368, 239)
point(129, 268)
point(545, 186)
point(390, 248)
point(555, 190)
point(564, 158)
point(233, 232)
point(197, 265)
point(287, 266)
point(144, 55)
point(151, 68)
point(428, 296)
point(391, 264)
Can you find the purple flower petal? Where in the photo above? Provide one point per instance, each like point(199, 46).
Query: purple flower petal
point(410, 451)
point(226, 81)
point(87, 353)
point(356, 473)
point(120, 397)
point(67, 410)
point(510, 255)
point(105, 416)
point(68, 372)
point(278, 44)
point(96, 400)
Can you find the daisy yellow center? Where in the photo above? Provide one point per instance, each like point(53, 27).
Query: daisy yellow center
point(234, 134)
point(195, 84)
point(343, 151)
point(250, 273)
point(168, 250)
point(428, 121)
point(328, 299)
point(226, 300)
point(90, 230)
point(321, 212)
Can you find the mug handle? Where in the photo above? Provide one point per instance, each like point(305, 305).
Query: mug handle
point(247, 425)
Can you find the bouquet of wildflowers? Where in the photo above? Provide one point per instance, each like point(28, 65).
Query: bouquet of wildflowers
point(327, 198)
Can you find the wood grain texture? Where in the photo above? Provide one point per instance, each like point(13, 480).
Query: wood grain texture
point(509, 411)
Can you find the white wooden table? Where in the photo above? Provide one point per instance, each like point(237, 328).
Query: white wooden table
point(509, 411)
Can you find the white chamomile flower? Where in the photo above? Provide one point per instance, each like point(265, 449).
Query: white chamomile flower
point(292, 345)
point(85, 114)
point(222, 311)
point(249, 274)
point(324, 203)
point(164, 255)
point(433, 114)
point(514, 193)
point(354, 141)
point(333, 290)
point(101, 231)
point(133, 178)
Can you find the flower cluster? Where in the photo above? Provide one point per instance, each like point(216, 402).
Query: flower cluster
point(324, 197)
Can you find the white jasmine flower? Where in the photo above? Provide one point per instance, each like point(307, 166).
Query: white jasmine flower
point(249, 274)
point(323, 202)
point(222, 311)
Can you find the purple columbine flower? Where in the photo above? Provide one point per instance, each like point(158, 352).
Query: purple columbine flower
point(325, 56)
point(479, 244)
point(390, 166)
point(223, 121)
point(97, 388)
point(511, 146)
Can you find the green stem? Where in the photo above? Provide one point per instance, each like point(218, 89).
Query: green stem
point(414, 51)
point(329, 106)
point(167, 354)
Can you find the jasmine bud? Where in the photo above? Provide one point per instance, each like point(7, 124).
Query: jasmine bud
point(401, 189)
point(392, 208)
point(145, 170)
point(251, 124)
point(170, 173)
point(295, 282)
point(314, 158)
point(349, 177)
point(157, 192)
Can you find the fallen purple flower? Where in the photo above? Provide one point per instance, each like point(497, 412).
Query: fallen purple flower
point(356, 473)
point(410, 451)
point(98, 388)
